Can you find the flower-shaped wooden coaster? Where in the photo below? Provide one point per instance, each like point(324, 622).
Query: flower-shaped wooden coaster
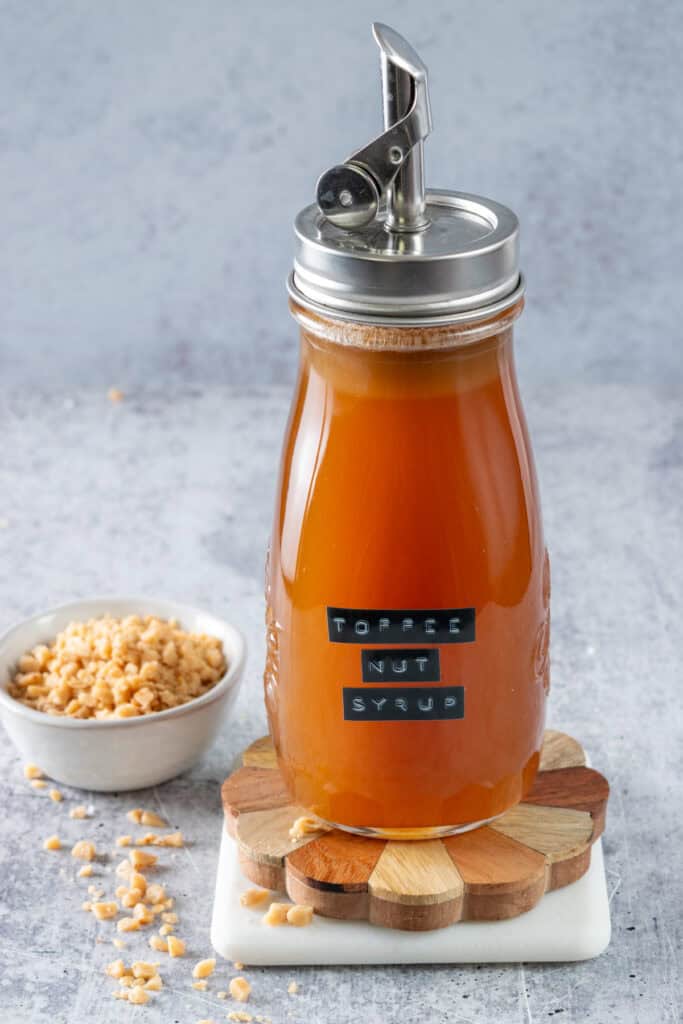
point(495, 872)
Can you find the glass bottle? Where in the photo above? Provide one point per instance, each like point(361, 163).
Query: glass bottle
point(407, 583)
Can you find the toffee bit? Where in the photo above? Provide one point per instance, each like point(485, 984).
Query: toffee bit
point(254, 897)
point(240, 989)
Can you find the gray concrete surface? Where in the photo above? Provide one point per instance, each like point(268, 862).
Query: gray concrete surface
point(171, 494)
point(152, 157)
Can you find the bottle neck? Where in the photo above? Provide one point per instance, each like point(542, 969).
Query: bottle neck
point(403, 362)
point(400, 338)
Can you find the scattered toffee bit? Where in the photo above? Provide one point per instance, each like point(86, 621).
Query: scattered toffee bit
point(240, 989)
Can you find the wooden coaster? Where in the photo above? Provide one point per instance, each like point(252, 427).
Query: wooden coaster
point(495, 872)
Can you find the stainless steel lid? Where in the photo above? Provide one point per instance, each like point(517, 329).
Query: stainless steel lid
point(377, 248)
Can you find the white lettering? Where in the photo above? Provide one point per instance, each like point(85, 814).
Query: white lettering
point(362, 627)
point(449, 702)
point(425, 704)
point(454, 625)
point(358, 704)
point(407, 625)
point(430, 625)
point(384, 624)
point(421, 662)
point(376, 666)
point(339, 622)
point(399, 667)
point(379, 703)
point(401, 704)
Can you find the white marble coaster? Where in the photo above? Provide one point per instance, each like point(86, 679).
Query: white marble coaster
point(569, 924)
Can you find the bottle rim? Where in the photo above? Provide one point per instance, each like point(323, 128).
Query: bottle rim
point(393, 336)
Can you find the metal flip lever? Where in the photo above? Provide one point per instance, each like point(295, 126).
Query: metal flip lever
point(349, 194)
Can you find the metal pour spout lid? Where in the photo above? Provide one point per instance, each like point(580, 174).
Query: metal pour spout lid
point(377, 247)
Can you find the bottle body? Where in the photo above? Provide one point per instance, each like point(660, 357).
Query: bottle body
point(407, 587)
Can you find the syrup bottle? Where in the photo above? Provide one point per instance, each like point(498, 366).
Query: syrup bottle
point(407, 582)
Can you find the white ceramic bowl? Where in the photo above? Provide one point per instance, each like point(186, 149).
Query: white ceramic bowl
point(118, 754)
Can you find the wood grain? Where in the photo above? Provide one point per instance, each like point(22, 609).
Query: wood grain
point(563, 835)
point(331, 874)
point(260, 754)
point(560, 751)
point(267, 876)
point(337, 861)
point(502, 878)
point(346, 906)
point(555, 831)
point(253, 789)
point(264, 835)
point(579, 788)
point(415, 872)
point(490, 860)
point(414, 917)
point(564, 872)
point(415, 886)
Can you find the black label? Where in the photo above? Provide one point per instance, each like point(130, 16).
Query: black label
point(401, 666)
point(432, 626)
point(403, 704)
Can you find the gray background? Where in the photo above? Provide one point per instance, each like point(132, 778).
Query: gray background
point(153, 155)
point(151, 159)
